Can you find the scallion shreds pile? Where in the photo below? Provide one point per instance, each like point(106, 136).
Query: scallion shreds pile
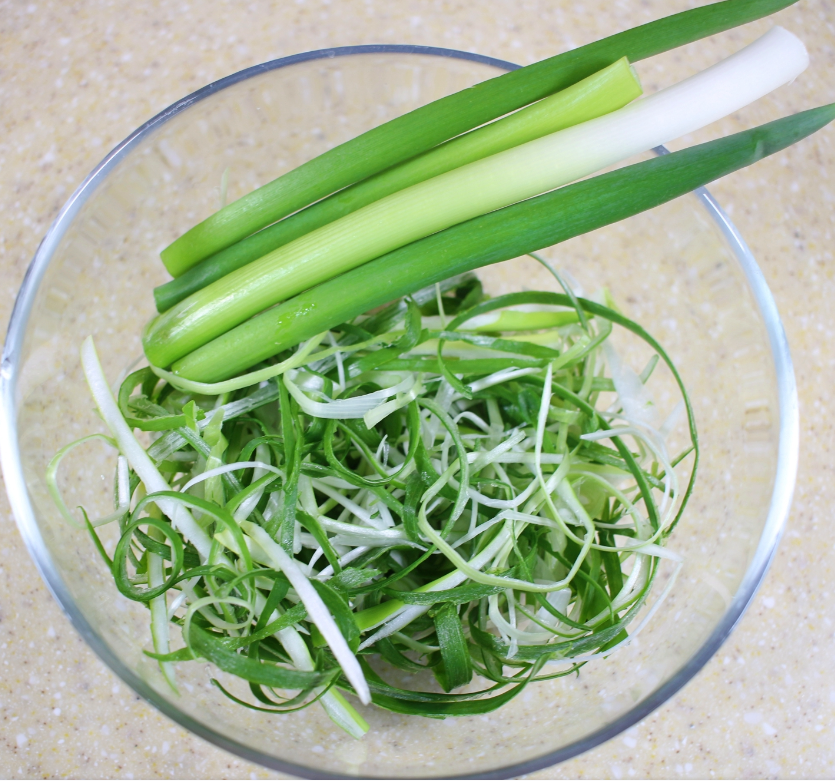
point(470, 486)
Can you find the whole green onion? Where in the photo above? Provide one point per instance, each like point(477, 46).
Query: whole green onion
point(423, 128)
point(475, 189)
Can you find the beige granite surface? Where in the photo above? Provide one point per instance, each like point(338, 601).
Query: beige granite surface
point(76, 78)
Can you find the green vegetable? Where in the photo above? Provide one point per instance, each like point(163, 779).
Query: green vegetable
point(426, 127)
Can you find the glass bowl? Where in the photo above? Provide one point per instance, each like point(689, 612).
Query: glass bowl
point(681, 270)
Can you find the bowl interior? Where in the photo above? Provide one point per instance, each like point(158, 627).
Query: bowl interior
point(673, 270)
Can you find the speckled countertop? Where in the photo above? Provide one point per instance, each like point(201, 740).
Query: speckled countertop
point(76, 78)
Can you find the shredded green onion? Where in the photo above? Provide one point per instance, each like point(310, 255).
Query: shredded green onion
point(493, 512)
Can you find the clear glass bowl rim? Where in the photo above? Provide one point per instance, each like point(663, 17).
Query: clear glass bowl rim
point(784, 481)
